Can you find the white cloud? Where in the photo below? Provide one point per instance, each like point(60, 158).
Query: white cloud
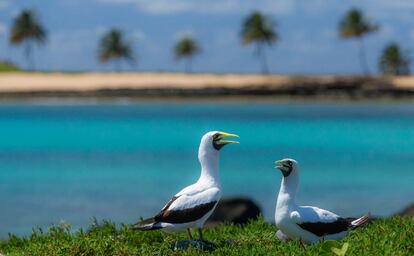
point(138, 36)
point(376, 8)
point(395, 10)
point(208, 7)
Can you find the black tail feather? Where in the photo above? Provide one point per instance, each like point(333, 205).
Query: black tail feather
point(148, 224)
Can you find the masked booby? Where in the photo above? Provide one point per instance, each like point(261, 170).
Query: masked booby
point(192, 206)
point(307, 223)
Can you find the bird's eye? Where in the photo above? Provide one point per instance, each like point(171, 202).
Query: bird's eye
point(290, 163)
point(215, 136)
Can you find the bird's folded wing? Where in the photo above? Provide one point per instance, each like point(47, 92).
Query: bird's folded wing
point(188, 208)
point(169, 203)
point(319, 221)
point(312, 214)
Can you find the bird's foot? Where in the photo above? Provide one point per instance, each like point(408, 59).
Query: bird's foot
point(200, 244)
point(207, 245)
point(302, 244)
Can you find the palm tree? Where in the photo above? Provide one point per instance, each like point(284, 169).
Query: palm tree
point(113, 47)
point(394, 61)
point(27, 29)
point(186, 48)
point(259, 29)
point(355, 25)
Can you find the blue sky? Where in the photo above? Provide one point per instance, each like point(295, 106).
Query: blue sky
point(308, 30)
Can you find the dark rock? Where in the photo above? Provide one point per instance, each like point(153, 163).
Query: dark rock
point(235, 211)
point(408, 211)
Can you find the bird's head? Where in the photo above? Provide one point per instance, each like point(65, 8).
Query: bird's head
point(287, 166)
point(216, 140)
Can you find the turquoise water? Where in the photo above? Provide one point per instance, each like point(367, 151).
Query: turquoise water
point(121, 161)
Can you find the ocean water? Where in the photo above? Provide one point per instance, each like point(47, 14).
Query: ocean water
point(119, 161)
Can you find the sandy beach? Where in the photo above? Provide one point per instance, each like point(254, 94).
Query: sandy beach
point(20, 82)
point(169, 83)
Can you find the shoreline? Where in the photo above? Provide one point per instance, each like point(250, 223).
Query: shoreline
point(18, 86)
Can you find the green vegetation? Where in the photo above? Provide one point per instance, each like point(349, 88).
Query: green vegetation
point(355, 25)
point(394, 61)
point(393, 236)
point(113, 47)
point(259, 29)
point(8, 67)
point(186, 48)
point(27, 30)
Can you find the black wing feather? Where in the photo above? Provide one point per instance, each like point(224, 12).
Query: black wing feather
point(327, 228)
point(185, 215)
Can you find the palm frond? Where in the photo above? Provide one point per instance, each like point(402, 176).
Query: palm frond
point(113, 46)
point(258, 28)
point(186, 47)
point(354, 24)
point(27, 26)
point(394, 61)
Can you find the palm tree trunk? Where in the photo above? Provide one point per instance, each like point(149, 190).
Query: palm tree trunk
point(188, 65)
point(262, 55)
point(363, 57)
point(28, 56)
point(119, 66)
point(264, 63)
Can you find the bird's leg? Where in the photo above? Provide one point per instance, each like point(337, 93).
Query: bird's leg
point(189, 234)
point(200, 235)
point(205, 245)
point(301, 243)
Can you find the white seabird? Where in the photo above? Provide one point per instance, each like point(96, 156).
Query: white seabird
point(192, 206)
point(306, 223)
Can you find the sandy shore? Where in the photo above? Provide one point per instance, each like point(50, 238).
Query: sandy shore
point(19, 82)
point(199, 84)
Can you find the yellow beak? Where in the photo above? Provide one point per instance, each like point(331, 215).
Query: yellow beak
point(226, 135)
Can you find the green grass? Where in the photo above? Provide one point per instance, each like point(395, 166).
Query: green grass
point(8, 67)
point(394, 236)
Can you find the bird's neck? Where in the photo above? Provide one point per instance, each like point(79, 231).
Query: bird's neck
point(288, 190)
point(209, 168)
